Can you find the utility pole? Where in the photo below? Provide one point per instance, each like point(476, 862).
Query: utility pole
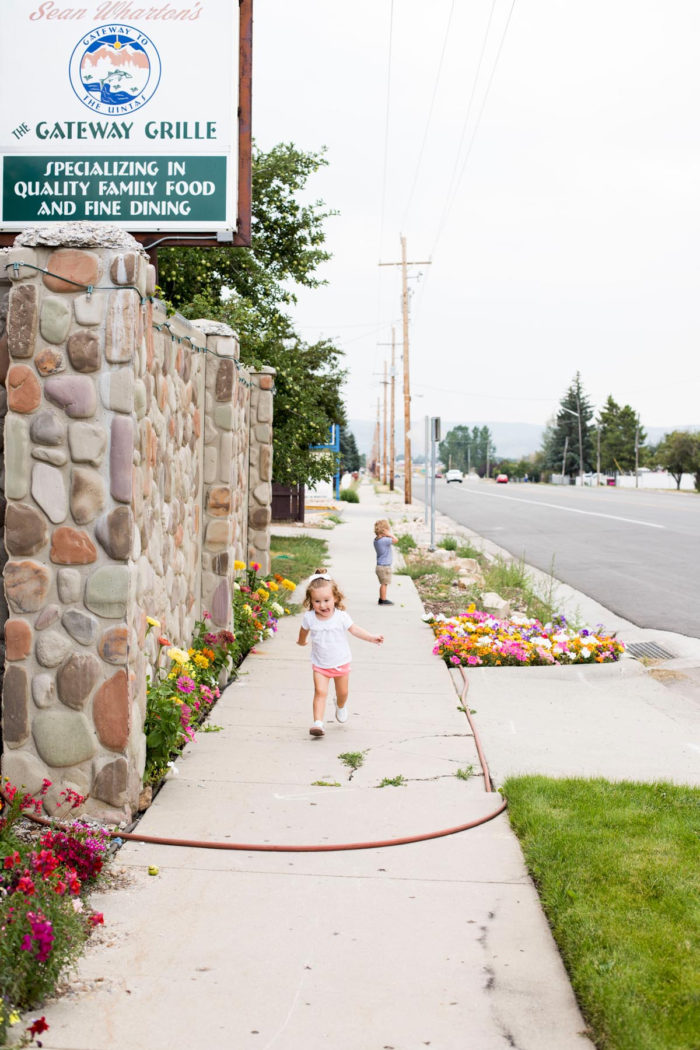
point(597, 457)
point(404, 264)
point(392, 450)
point(563, 462)
point(376, 450)
point(636, 456)
point(385, 382)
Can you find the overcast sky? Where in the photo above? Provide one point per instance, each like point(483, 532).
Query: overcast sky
point(560, 207)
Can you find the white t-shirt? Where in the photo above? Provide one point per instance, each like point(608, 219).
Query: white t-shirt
point(329, 644)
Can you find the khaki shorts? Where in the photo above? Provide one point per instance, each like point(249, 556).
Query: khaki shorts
point(384, 574)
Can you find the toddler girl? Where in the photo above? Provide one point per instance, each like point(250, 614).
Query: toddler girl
point(326, 621)
point(383, 540)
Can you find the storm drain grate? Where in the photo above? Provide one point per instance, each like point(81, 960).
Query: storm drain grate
point(650, 649)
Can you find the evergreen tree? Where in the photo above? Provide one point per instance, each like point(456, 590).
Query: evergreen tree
point(620, 435)
point(567, 448)
point(349, 455)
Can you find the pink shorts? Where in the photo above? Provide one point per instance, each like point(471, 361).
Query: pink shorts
point(333, 672)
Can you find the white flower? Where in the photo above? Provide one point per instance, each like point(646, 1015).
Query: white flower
point(77, 904)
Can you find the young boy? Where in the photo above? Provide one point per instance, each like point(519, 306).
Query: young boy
point(382, 545)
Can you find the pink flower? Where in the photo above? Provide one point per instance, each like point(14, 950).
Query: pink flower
point(455, 660)
point(185, 684)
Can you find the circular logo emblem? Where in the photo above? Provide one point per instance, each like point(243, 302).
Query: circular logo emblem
point(115, 69)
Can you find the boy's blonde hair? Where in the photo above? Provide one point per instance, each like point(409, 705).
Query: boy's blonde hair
point(338, 596)
point(382, 527)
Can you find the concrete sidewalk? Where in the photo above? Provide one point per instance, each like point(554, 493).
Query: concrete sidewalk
point(440, 943)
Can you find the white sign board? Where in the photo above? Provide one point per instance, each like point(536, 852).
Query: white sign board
point(121, 112)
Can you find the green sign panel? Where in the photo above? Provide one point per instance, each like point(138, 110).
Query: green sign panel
point(129, 190)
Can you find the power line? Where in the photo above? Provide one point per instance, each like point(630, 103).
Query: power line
point(467, 115)
point(382, 204)
point(451, 199)
point(386, 126)
point(430, 115)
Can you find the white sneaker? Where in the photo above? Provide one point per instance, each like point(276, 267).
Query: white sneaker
point(341, 713)
point(317, 729)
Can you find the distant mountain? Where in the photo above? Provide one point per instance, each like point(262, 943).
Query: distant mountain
point(512, 440)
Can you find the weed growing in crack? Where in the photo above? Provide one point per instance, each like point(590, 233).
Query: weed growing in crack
point(397, 781)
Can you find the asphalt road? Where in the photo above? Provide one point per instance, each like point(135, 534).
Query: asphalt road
point(637, 553)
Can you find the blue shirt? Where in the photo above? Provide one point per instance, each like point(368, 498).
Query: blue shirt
point(382, 546)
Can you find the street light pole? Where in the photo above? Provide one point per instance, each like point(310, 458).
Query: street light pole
point(580, 437)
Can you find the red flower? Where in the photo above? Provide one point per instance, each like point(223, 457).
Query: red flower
point(162, 640)
point(38, 1026)
point(26, 885)
point(96, 919)
point(11, 859)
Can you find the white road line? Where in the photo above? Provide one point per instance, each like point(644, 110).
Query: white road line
point(570, 510)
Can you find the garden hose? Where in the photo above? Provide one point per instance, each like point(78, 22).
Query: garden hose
point(338, 847)
point(463, 700)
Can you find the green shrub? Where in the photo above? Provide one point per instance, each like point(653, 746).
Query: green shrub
point(467, 551)
point(349, 495)
point(406, 543)
point(449, 543)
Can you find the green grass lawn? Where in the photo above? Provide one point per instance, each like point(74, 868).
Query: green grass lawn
point(617, 867)
point(296, 557)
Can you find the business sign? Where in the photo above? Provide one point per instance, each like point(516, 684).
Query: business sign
point(120, 112)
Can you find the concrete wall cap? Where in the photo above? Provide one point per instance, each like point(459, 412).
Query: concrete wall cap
point(214, 327)
point(79, 235)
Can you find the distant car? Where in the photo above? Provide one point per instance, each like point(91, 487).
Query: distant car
point(438, 474)
point(501, 479)
point(453, 475)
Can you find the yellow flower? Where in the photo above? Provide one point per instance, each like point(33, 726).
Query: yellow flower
point(262, 594)
point(190, 652)
point(151, 622)
point(177, 700)
point(271, 585)
point(201, 660)
point(178, 655)
point(239, 565)
point(288, 585)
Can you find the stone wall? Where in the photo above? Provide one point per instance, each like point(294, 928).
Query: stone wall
point(127, 442)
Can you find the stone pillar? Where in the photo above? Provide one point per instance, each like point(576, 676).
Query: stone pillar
point(4, 364)
point(73, 694)
point(224, 492)
point(260, 470)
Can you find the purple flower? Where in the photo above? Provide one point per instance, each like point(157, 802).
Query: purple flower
point(185, 684)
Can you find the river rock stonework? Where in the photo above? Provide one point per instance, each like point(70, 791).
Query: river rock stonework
point(135, 476)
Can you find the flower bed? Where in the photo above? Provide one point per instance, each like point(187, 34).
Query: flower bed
point(476, 639)
point(44, 919)
point(185, 684)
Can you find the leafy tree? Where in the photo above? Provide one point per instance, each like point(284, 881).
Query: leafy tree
point(463, 449)
point(453, 451)
point(349, 455)
point(564, 451)
point(249, 289)
point(287, 244)
point(620, 433)
point(679, 454)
